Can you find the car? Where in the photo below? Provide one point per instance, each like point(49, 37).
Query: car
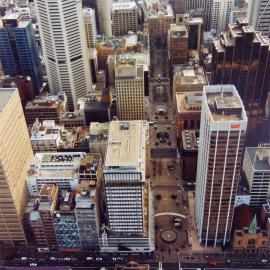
point(53, 259)
point(33, 264)
point(66, 259)
point(178, 220)
point(264, 261)
point(177, 224)
point(24, 258)
point(98, 258)
point(212, 263)
point(89, 258)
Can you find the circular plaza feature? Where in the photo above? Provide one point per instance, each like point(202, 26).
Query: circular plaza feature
point(169, 236)
point(163, 136)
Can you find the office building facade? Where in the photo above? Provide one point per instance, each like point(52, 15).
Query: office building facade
point(88, 221)
point(124, 18)
point(104, 8)
point(222, 136)
point(18, 49)
point(65, 51)
point(129, 87)
point(16, 155)
point(256, 167)
point(220, 14)
point(90, 27)
point(259, 15)
point(178, 44)
point(242, 57)
point(127, 191)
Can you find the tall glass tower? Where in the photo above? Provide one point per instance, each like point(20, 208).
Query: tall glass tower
point(18, 49)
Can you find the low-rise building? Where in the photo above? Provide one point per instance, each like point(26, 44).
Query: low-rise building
point(129, 43)
point(187, 111)
point(251, 239)
point(41, 219)
point(49, 137)
point(98, 138)
point(188, 78)
point(159, 15)
point(65, 169)
point(45, 137)
point(189, 154)
point(65, 224)
point(46, 107)
point(97, 105)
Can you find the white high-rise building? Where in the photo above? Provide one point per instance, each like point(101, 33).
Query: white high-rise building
point(64, 46)
point(222, 135)
point(127, 189)
point(256, 166)
point(90, 26)
point(104, 17)
point(221, 11)
point(259, 15)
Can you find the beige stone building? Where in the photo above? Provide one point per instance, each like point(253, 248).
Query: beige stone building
point(187, 111)
point(188, 78)
point(15, 157)
point(129, 88)
point(251, 239)
point(124, 18)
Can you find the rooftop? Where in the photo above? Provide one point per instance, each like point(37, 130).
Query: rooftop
point(177, 31)
point(124, 5)
point(190, 75)
point(190, 139)
point(5, 95)
point(47, 190)
point(259, 158)
point(224, 103)
point(127, 68)
point(188, 102)
point(47, 101)
point(125, 143)
point(157, 8)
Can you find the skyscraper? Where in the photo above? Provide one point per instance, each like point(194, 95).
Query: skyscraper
point(18, 49)
point(222, 135)
point(200, 8)
point(127, 191)
point(124, 18)
point(242, 57)
point(221, 11)
point(16, 155)
point(129, 87)
point(256, 166)
point(64, 47)
point(104, 17)
point(259, 15)
point(90, 26)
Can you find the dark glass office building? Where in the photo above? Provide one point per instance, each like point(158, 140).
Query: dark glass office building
point(242, 57)
point(18, 49)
